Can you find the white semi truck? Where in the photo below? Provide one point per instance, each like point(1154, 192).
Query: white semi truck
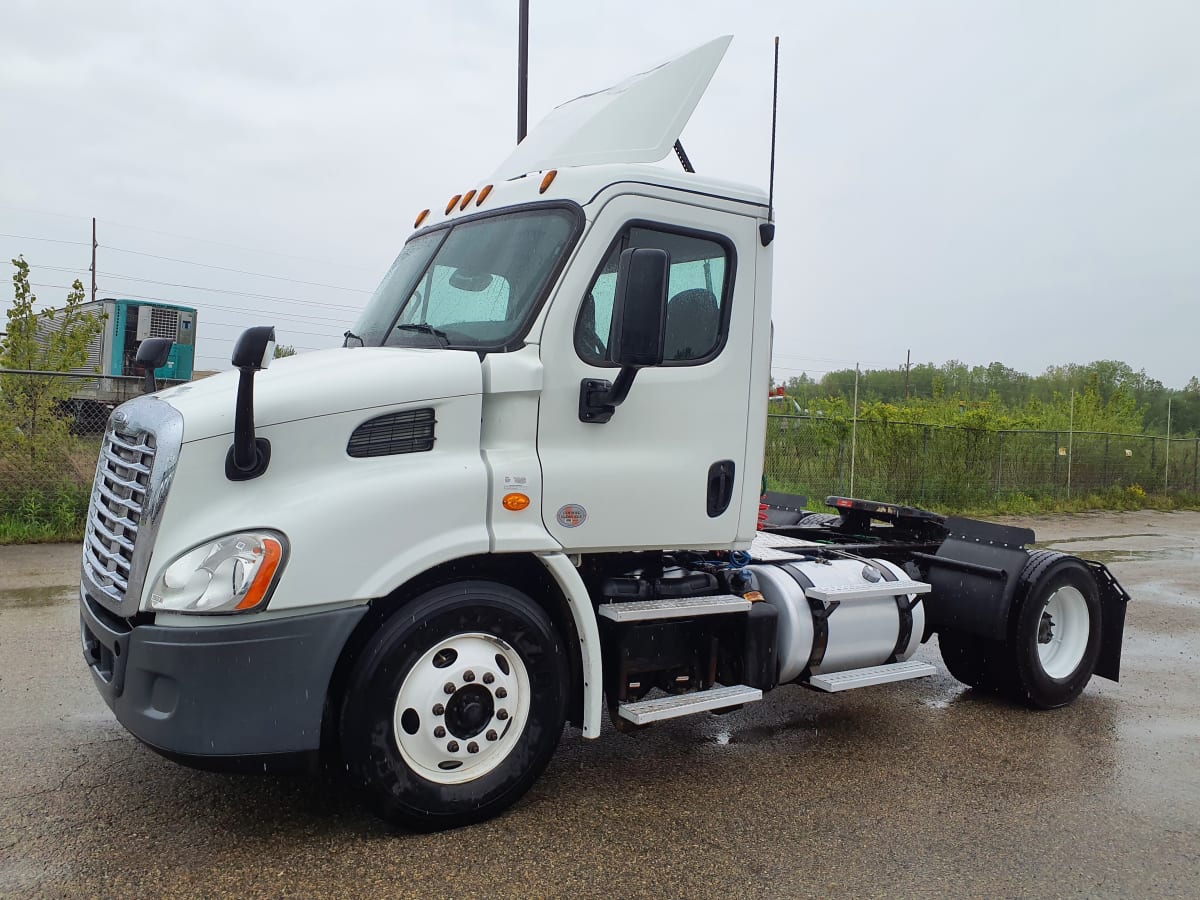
point(528, 491)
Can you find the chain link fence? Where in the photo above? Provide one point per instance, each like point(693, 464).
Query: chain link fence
point(959, 468)
point(51, 427)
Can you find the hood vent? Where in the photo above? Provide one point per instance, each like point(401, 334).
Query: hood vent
point(410, 431)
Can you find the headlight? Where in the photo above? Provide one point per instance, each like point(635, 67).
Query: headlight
point(235, 573)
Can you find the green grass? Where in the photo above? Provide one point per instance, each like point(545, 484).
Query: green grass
point(14, 530)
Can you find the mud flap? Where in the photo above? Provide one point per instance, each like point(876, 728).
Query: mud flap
point(974, 577)
point(1113, 600)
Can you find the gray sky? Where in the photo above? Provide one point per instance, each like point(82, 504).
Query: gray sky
point(1011, 181)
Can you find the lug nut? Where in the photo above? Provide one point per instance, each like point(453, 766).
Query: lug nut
point(452, 746)
point(501, 692)
point(491, 735)
point(468, 675)
point(439, 732)
point(502, 714)
point(448, 687)
point(488, 677)
point(438, 709)
point(472, 747)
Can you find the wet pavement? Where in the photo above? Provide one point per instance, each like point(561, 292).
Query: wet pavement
point(917, 788)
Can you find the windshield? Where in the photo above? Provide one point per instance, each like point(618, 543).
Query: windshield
point(472, 286)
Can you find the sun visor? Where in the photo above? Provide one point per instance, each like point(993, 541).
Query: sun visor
point(636, 121)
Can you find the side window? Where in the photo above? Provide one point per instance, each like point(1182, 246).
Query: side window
point(697, 304)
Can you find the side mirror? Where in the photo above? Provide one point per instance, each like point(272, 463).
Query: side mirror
point(255, 348)
point(639, 316)
point(249, 456)
point(638, 333)
point(152, 354)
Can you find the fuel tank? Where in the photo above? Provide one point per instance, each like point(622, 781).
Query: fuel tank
point(817, 637)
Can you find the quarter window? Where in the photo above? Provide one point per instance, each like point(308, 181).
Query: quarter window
point(697, 304)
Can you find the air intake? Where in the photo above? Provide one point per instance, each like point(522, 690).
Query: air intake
point(410, 431)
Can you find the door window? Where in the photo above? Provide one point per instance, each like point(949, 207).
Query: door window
point(698, 296)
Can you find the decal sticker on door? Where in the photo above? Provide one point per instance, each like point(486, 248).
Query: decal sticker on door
point(571, 515)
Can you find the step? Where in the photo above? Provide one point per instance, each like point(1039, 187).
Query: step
point(673, 608)
point(867, 591)
point(856, 678)
point(646, 711)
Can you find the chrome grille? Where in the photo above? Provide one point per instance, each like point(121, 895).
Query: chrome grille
point(118, 498)
point(133, 477)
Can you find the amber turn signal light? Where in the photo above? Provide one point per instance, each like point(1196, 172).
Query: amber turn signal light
point(515, 502)
point(547, 180)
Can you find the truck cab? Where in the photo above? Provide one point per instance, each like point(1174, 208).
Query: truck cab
point(526, 488)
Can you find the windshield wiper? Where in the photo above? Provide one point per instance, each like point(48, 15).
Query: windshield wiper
point(426, 328)
point(349, 336)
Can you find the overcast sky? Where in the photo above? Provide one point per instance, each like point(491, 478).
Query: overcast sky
point(1012, 181)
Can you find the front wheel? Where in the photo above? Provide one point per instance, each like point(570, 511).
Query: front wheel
point(455, 706)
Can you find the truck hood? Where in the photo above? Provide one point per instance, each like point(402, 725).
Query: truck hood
point(323, 382)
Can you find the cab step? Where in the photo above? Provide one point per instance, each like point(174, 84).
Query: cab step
point(646, 711)
point(857, 678)
point(867, 592)
point(673, 608)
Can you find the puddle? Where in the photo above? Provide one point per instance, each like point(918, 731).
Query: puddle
point(1186, 554)
point(27, 598)
point(1100, 537)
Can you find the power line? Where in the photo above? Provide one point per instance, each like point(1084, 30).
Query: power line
point(190, 262)
point(187, 237)
point(29, 237)
point(197, 287)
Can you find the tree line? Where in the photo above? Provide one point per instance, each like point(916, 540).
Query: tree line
point(1110, 395)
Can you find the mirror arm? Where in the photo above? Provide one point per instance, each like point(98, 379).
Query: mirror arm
point(149, 384)
point(599, 397)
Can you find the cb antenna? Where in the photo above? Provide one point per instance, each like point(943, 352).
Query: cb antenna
point(766, 231)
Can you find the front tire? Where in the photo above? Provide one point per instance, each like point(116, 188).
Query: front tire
point(455, 706)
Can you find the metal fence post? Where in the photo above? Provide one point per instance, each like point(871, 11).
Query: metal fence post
point(1054, 475)
point(999, 459)
point(924, 459)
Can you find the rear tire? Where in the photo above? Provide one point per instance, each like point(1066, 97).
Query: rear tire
point(1055, 632)
point(1053, 638)
point(455, 706)
point(976, 662)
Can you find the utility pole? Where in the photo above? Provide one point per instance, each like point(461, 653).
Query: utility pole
point(93, 259)
point(907, 365)
point(522, 70)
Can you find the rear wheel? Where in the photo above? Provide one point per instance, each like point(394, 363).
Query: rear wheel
point(1055, 635)
point(1053, 638)
point(455, 706)
point(975, 661)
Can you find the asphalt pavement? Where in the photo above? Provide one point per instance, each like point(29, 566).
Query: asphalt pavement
point(921, 788)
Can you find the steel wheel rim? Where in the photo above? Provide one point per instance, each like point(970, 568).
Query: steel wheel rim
point(454, 736)
point(1063, 636)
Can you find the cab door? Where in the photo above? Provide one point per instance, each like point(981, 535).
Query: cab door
point(667, 470)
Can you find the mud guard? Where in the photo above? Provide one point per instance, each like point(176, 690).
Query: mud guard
point(975, 574)
point(974, 577)
point(1113, 600)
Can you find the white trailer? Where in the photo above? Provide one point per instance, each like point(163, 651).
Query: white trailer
point(528, 493)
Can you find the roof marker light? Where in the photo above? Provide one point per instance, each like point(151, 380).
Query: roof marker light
point(547, 180)
point(453, 203)
point(420, 218)
point(487, 189)
point(467, 197)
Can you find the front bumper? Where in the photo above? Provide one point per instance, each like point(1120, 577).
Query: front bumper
point(221, 691)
